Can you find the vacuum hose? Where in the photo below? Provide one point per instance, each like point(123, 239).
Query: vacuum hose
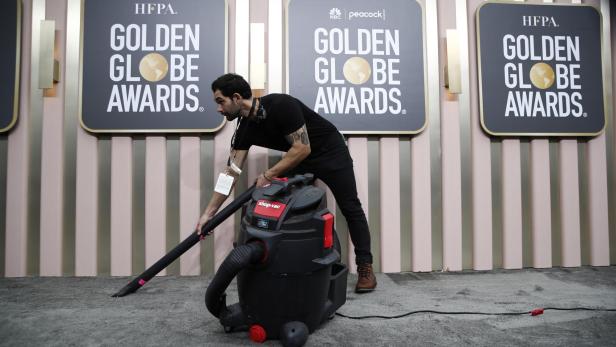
point(238, 259)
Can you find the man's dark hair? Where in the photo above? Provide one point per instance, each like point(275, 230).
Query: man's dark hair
point(231, 83)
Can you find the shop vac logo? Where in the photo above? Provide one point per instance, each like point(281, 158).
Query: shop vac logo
point(268, 204)
point(269, 209)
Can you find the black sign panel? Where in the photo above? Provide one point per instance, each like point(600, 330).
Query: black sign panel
point(147, 67)
point(10, 22)
point(540, 70)
point(359, 63)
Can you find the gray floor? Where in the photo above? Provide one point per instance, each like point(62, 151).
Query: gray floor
point(170, 311)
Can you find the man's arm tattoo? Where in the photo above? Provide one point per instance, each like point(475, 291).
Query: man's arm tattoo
point(300, 135)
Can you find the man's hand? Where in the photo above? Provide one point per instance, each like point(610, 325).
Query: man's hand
point(300, 150)
point(263, 180)
point(236, 157)
point(202, 221)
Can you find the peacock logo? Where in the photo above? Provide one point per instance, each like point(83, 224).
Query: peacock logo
point(335, 13)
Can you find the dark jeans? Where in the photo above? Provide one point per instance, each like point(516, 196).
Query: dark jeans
point(342, 184)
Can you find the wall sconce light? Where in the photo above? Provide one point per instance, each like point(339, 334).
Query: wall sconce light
point(49, 68)
point(452, 69)
point(258, 68)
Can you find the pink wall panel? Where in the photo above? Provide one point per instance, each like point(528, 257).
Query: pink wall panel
point(358, 147)
point(86, 205)
point(121, 205)
point(155, 199)
point(512, 204)
point(541, 217)
point(52, 158)
point(598, 202)
point(452, 186)
point(421, 202)
point(481, 163)
point(17, 168)
point(390, 204)
point(570, 203)
point(190, 193)
point(224, 233)
point(52, 186)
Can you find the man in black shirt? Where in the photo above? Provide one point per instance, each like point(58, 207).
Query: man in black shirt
point(312, 143)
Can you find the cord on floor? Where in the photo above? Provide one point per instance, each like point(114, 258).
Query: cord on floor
point(534, 312)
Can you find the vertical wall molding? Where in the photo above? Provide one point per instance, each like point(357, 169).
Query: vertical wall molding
point(71, 106)
point(206, 181)
point(569, 203)
point(358, 147)
point(155, 199)
point(390, 204)
point(34, 138)
point(86, 204)
point(463, 26)
point(275, 46)
point(540, 203)
point(17, 157)
point(121, 214)
point(598, 153)
point(511, 204)
point(420, 203)
point(480, 163)
point(189, 207)
point(609, 51)
point(431, 64)
point(173, 234)
point(224, 235)
point(52, 158)
point(447, 248)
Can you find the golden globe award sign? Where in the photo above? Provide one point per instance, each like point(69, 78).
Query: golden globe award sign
point(10, 24)
point(540, 70)
point(147, 67)
point(359, 63)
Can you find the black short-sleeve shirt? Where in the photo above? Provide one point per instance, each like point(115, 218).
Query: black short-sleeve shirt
point(285, 114)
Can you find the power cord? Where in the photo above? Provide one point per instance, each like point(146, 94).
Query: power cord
point(534, 312)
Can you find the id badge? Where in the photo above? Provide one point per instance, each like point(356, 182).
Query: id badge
point(224, 184)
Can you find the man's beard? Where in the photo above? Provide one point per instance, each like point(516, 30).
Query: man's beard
point(233, 115)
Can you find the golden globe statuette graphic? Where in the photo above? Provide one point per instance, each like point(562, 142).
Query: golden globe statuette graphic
point(153, 67)
point(357, 70)
point(542, 75)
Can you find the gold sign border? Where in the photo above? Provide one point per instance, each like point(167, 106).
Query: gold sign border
point(425, 71)
point(145, 131)
point(500, 134)
point(17, 71)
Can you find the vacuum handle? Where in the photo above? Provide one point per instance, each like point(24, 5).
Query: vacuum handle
point(185, 245)
point(283, 186)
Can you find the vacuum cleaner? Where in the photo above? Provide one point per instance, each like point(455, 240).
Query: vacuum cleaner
point(286, 259)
